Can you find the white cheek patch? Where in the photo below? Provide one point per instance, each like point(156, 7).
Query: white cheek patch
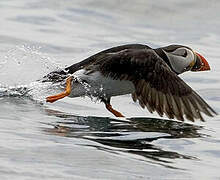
point(179, 63)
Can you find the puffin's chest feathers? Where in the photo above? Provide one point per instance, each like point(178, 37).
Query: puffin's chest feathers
point(95, 84)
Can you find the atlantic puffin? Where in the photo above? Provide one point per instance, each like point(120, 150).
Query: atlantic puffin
point(149, 75)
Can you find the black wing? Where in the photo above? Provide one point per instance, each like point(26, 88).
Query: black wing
point(62, 74)
point(157, 87)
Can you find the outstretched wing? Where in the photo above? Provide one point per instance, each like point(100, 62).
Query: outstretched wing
point(157, 87)
point(62, 74)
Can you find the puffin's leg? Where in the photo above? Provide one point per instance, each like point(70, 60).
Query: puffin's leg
point(67, 91)
point(109, 107)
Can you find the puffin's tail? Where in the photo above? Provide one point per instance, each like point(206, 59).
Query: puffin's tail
point(61, 74)
point(55, 76)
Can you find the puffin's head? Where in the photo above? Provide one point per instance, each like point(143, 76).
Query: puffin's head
point(182, 58)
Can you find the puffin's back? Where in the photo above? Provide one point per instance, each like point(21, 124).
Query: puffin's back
point(60, 75)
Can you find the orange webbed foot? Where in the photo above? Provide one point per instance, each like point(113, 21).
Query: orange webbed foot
point(61, 95)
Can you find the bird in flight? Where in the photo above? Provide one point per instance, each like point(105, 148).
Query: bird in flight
point(149, 75)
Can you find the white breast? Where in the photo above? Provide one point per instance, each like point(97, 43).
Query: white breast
point(98, 85)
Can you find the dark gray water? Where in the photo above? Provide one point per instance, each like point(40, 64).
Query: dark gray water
point(78, 138)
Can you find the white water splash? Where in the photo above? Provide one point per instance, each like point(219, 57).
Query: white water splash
point(20, 68)
point(94, 93)
point(23, 65)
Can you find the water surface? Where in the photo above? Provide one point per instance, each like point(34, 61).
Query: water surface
point(78, 138)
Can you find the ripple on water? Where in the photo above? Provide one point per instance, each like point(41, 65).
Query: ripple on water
point(134, 136)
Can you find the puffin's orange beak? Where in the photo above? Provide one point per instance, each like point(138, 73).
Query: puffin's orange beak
point(204, 66)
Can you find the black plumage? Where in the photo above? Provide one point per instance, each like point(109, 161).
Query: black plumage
point(157, 85)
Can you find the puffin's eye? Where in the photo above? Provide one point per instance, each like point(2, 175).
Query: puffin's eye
point(185, 53)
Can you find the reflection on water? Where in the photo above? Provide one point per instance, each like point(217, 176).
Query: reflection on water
point(131, 136)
